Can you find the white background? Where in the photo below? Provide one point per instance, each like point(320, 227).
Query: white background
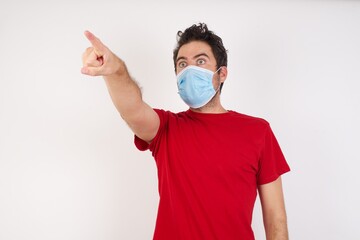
point(68, 166)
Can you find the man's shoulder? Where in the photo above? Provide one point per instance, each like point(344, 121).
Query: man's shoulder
point(248, 118)
point(164, 112)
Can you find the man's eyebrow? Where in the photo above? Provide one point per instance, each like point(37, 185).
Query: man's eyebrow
point(201, 55)
point(180, 58)
point(196, 56)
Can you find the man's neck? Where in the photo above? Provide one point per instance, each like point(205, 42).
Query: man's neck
point(211, 111)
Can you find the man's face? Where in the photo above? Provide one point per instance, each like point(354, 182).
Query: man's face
point(198, 53)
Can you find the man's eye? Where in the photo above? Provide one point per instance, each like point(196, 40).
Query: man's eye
point(200, 61)
point(182, 64)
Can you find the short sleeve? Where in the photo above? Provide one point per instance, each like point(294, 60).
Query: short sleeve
point(272, 163)
point(143, 145)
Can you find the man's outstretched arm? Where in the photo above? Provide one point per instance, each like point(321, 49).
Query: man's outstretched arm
point(273, 208)
point(98, 60)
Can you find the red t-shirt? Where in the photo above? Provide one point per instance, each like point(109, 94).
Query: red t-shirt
point(209, 167)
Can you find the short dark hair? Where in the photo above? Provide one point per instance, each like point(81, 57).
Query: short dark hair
point(200, 32)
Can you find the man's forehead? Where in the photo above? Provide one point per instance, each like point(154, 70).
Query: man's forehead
point(194, 49)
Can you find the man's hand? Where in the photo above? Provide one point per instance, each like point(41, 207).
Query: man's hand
point(98, 60)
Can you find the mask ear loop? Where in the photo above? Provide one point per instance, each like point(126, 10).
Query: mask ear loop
point(218, 70)
point(218, 88)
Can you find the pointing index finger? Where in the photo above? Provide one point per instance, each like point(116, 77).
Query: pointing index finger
point(95, 42)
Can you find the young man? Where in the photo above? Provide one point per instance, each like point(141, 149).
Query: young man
point(211, 161)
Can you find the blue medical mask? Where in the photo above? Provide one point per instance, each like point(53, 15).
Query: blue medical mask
point(195, 86)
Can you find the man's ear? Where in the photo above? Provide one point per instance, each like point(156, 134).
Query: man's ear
point(223, 73)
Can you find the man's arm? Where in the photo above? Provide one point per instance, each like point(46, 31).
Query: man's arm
point(98, 60)
point(273, 208)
